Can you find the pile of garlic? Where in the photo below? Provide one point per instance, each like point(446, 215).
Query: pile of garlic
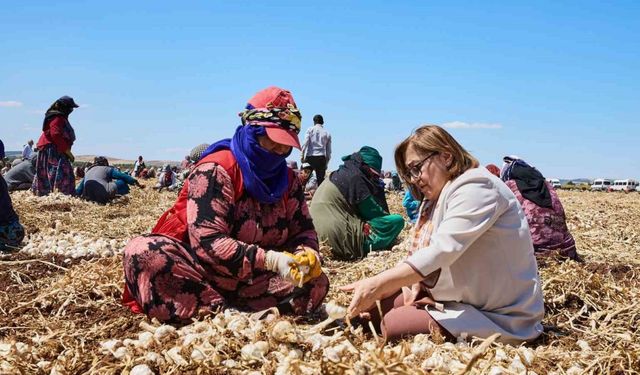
point(70, 245)
point(230, 339)
point(53, 198)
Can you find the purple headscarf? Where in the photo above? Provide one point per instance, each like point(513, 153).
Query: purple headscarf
point(264, 173)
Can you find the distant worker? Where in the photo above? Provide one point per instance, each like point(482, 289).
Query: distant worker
point(102, 182)
point(185, 163)
point(54, 170)
point(387, 180)
point(397, 182)
point(138, 166)
point(541, 206)
point(196, 152)
point(79, 171)
point(308, 180)
point(316, 149)
point(11, 231)
point(27, 150)
point(21, 176)
point(411, 205)
point(151, 173)
point(493, 169)
point(167, 179)
point(350, 210)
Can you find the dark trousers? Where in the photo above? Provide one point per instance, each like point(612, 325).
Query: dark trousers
point(319, 165)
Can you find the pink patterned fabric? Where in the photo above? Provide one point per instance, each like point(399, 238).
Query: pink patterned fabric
point(548, 226)
point(223, 263)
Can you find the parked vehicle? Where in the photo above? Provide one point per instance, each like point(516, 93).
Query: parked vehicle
point(554, 182)
point(625, 185)
point(601, 184)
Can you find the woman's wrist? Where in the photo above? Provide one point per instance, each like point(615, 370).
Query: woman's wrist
point(397, 277)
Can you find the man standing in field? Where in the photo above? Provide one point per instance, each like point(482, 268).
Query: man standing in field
point(27, 150)
point(316, 149)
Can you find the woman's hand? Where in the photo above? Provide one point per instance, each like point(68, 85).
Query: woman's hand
point(280, 263)
point(366, 292)
point(307, 265)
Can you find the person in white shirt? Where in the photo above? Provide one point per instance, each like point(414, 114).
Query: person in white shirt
point(138, 166)
point(316, 149)
point(27, 151)
point(471, 267)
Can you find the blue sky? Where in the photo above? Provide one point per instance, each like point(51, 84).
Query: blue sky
point(557, 83)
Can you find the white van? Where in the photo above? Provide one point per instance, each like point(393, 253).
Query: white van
point(554, 182)
point(601, 184)
point(625, 185)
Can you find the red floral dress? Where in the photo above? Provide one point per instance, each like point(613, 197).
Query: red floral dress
point(223, 263)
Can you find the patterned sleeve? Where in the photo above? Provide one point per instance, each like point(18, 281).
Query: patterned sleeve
point(210, 206)
point(301, 229)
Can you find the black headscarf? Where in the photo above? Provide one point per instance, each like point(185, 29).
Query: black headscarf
point(530, 182)
point(356, 182)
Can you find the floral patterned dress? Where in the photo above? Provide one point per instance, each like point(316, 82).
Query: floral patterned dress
point(548, 226)
point(223, 262)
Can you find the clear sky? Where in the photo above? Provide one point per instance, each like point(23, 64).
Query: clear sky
point(557, 83)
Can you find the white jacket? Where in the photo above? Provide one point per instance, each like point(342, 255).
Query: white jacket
point(489, 280)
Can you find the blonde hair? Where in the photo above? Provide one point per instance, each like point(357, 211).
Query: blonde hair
point(432, 138)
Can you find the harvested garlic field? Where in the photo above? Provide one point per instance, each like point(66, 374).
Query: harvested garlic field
point(60, 309)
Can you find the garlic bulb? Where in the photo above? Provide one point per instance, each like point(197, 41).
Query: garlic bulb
point(141, 370)
point(154, 357)
point(255, 351)
point(173, 356)
point(334, 313)
point(121, 353)
point(283, 331)
point(145, 339)
point(584, 346)
point(164, 332)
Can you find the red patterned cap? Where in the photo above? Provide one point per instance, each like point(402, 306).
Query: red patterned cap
point(275, 109)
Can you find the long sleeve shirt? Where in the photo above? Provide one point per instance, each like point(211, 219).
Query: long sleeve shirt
point(57, 135)
point(480, 242)
point(317, 142)
point(230, 237)
point(27, 151)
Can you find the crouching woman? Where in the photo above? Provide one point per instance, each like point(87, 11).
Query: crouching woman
point(239, 233)
point(471, 266)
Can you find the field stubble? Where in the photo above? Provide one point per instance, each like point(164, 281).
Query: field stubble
point(60, 311)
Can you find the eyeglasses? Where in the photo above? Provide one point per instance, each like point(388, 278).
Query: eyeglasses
point(416, 170)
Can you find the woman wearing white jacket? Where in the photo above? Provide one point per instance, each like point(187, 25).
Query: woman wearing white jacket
point(471, 267)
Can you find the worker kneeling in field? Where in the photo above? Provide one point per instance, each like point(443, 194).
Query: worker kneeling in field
point(471, 266)
point(21, 176)
point(350, 210)
point(11, 231)
point(542, 207)
point(239, 234)
point(102, 182)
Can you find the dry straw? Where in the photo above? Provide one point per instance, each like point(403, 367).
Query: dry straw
point(60, 312)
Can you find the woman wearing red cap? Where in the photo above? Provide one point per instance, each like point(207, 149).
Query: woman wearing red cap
point(53, 167)
point(239, 234)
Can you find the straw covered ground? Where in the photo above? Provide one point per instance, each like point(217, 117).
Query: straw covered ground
point(60, 311)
